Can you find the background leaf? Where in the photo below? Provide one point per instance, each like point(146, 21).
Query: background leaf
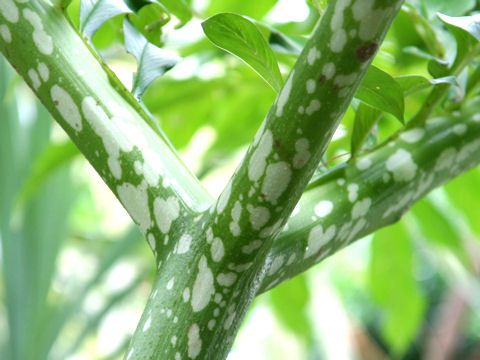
point(179, 8)
point(255, 9)
point(391, 268)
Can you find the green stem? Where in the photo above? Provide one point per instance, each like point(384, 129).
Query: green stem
point(361, 199)
point(101, 116)
point(225, 257)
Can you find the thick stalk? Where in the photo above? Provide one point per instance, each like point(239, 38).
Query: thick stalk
point(96, 111)
point(211, 282)
point(374, 191)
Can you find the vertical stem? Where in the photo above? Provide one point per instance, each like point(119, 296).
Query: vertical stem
point(203, 291)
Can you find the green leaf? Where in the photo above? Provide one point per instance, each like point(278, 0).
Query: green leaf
point(365, 119)
point(52, 158)
point(179, 8)
point(152, 61)
point(439, 229)
point(393, 286)
point(380, 90)
point(413, 83)
point(290, 303)
point(94, 13)
point(240, 37)
point(464, 193)
point(279, 42)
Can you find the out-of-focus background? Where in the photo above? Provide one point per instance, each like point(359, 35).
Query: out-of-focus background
point(76, 273)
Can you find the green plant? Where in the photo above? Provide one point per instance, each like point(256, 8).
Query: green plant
point(212, 256)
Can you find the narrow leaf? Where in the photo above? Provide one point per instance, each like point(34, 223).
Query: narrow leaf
point(240, 37)
point(52, 158)
point(152, 61)
point(94, 13)
point(425, 31)
point(365, 119)
point(380, 90)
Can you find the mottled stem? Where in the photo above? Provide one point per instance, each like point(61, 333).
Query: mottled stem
point(374, 191)
point(197, 316)
point(100, 116)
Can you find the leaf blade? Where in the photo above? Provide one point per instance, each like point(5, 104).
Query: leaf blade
point(94, 13)
point(380, 90)
point(152, 61)
point(241, 38)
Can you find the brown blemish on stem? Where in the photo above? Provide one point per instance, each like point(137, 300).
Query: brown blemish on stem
point(365, 52)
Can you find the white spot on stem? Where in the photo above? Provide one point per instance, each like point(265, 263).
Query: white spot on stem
point(284, 94)
point(194, 341)
point(166, 211)
point(401, 165)
point(203, 287)
point(277, 178)
point(66, 107)
point(317, 238)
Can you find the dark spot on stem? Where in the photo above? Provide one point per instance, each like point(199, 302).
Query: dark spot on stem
point(277, 143)
point(56, 102)
point(335, 87)
point(322, 79)
point(365, 52)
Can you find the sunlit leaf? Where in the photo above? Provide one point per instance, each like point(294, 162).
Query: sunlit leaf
point(240, 37)
point(380, 90)
point(152, 61)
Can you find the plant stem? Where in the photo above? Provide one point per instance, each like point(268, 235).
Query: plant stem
point(374, 190)
point(226, 256)
point(100, 115)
